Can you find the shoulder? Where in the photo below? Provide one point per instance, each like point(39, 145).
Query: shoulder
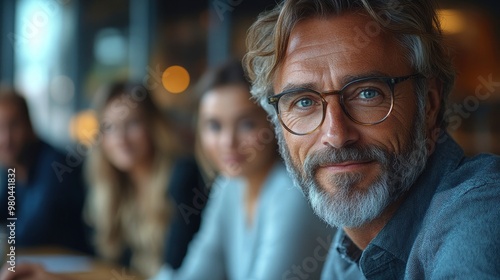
point(463, 185)
point(186, 164)
point(462, 223)
point(226, 191)
point(53, 168)
point(285, 204)
point(184, 171)
point(47, 153)
point(279, 179)
point(472, 188)
point(479, 170)
point(186, 180)
point(280, 189)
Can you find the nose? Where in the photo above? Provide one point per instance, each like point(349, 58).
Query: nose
point(228, 138)
point(117, 135)
point(337, 129)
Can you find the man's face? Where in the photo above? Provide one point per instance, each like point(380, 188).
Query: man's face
point(15, 134)
point(351, 172)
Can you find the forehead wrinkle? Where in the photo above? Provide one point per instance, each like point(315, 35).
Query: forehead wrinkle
point(305, 72)
point(314, 50)
point(304, 78)
point(328, 54)
point(319, 47)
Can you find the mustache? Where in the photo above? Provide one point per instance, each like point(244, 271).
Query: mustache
point(330, 155)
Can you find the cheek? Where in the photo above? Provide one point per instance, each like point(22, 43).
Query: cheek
point(107, 142)
point(209, 146)
point(137, 135)
point(19, 135)
point(393, 134)
point(402, 118)
point(108, 146)
point(298, 147)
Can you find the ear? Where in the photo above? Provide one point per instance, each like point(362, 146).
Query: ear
point(432, 104)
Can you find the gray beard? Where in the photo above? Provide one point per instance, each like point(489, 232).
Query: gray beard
point(346, 205)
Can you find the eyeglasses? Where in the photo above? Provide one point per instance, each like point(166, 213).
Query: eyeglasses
point(366, 101)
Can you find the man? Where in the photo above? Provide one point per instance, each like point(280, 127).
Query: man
point(357, 92)
point(48, 210)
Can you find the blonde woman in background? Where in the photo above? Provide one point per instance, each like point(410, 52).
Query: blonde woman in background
point(129, 206)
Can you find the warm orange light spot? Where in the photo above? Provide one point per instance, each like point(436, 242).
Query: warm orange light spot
point(175, 79)
point(452, 21)
point(84, 127)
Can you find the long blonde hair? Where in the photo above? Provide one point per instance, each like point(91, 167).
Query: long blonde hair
point(111, 207)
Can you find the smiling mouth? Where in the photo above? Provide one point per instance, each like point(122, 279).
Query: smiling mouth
point(233, 159)
point(347, 166)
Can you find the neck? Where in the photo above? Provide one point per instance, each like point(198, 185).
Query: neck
point(255, 181)
point(362, 236)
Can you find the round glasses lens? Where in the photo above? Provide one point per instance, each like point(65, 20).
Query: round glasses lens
point(368, 101)
point(301, 111)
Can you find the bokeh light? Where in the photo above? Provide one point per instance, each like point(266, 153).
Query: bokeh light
point(110, 47)
point(84, 127)
point(175, 79)
point(452, 21)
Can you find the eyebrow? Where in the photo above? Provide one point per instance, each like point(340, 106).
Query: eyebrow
point(344, 80)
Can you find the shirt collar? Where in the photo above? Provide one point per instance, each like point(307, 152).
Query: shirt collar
point(346, 248)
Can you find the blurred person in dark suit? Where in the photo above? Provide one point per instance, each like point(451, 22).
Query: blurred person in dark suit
point(48, 204)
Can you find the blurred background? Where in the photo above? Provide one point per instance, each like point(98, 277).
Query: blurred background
point(59, 52)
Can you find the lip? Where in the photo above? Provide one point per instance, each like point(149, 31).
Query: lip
point(233, 159)
point(347, 166)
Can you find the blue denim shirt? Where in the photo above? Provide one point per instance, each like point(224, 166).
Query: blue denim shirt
point(447, 228)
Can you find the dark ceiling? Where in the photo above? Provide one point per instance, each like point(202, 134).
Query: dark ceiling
point(175, 8)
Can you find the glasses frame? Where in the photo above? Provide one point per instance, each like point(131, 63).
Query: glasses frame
point(391, 82)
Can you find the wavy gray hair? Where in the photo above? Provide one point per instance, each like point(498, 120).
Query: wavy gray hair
point(413, 23)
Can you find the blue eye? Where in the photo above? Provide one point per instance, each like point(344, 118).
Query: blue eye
point(305, 102)
point(302, 100)
point(368, 94)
